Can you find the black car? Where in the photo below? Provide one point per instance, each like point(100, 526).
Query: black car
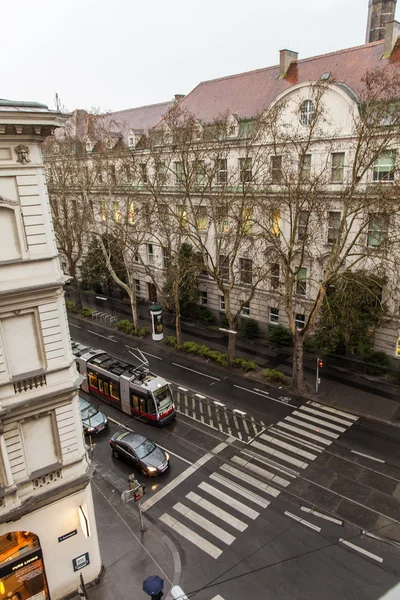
point(93, 420)
point(140, 452)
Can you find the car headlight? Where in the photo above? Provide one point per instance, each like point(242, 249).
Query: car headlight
point(90, 429)
point(167, 455)
point(151, 469)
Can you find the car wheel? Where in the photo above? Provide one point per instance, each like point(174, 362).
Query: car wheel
point(115, 454)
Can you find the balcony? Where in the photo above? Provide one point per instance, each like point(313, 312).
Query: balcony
point(30, 383)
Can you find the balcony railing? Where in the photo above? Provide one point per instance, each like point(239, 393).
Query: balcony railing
point(29, 384)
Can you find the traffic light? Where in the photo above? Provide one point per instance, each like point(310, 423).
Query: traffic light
point(320, 363)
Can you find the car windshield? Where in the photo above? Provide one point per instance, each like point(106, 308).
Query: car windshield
point(146, 448)
point(88, 411)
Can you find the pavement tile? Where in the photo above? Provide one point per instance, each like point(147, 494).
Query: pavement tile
point(380, 483)
point(351, 489)
point(361, 516)
point(314, 494)
point(339, 465)
point(386, 505)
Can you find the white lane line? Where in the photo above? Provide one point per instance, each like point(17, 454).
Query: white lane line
point(102, 336)
point(191, 536)
point(286, 446)
point(319, 413)
point(295, 438)
point(260, 471)
point(263, 394)
point(163, 447)
point(209, 526)
point(281, 455)
point(235, 487)
point(323, 422)
point(239, 506)
point(243, 477)
point(302, 521)
point(217, 512)
point(187, 473)
point(379, 460)
point(313, 427)
point(152, 355)
point(361, 550)
point(217, 598)
point(77, 326)
point(341, 413)
point(197, 372)
point(317, 438)
point(318, 514)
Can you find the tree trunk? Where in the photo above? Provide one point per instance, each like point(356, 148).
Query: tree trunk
point(135, 319)
point(298, 383)
point(178, 327)
point(78, 293)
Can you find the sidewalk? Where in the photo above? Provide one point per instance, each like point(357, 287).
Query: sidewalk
point(367, 397)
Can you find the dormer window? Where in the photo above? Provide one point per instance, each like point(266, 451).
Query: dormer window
point(307, 112)
point(88, 147)
point(131, 141)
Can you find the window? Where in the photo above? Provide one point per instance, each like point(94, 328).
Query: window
point(114, 390)
point(307, 112)
point(337, 173)
point(246, 268)
point(305, 167)
point(302, 225)
point(222, 171)
point(137, 285)
point(200, 172)
point(276, 222)
point(182, 217)
point(274, 315)
point(34, 430)
point(21, 336)
point(136, 258)
point(99, 175)
point(247, 221)
point(203, 298)
point(378, 226)
point(245, 312)
point(161, 169)
point(224, 266)
point(163, 213)
point(131, 141)
point(245, 165)
point(150, 254)
point(300, 321)
point(384, 167)
point(301, 281)
point(246, 129)
point(222, 303)
point(111, 173)
point(143, 172)
point(333, 226)
point(117, 212)
point(166, 258)
point(275, 272)
point(201, 218)
point(131, 216)
point(222, 220)
point(276, 169)
point(178, 170)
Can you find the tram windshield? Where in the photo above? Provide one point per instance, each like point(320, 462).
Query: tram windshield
point(163, 398)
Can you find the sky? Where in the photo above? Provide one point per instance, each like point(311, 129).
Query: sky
point(112, 55)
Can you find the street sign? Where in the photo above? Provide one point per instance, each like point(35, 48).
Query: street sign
point(81, 561)
point(67, 535)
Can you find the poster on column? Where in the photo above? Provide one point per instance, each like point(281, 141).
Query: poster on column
point(22, 575)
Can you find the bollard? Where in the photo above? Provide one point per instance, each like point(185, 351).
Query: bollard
point(178, 594)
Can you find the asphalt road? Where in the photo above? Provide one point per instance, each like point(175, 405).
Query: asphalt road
point(239, 512)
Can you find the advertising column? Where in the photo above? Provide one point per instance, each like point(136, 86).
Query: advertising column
point(157, 327)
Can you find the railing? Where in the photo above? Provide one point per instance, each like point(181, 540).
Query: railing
point(29, 383)
point(104, 317)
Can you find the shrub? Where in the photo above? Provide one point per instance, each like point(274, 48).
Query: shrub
point(71, 306)
point(171, 341)
point(242, 363)
point(250, 328)
point(143, 331)
point(203, 350)
point(224, 322)
point(206, 316)
point(87, 312)
point(380, 361)
point(311, 345)
point(125, 326)
point(280, 335)
point(190, 347)
point(219, 357)
point(274, 375)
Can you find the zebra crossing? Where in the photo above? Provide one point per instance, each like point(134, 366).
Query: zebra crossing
point(226, 503)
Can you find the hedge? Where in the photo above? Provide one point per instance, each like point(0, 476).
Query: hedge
point(274, 375)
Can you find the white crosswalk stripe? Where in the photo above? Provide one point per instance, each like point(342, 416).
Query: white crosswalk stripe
point(215, 530)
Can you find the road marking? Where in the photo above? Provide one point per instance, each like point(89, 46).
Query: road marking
point(306, 408)
point(368, 456)
point(152, 355)
point(73, 325)
point(240, 490)
point(182, 389)
point(200, 396)
point(209, 526)
point(102, 336)
point(250, 480)
point(361, 550)
point(302, 521)
point(324, 422)
point(261, 393)
point(303, 433)
point(260, 471)
point(341, 413)
point(281, 455)
point(217, 512)
point(217, 598)
point(190, 535)
point(313, 427)
point(239, 412)
point(239, 506)
point(187, 473)
point(197, 372)
point(290, 447)
point(318, 514)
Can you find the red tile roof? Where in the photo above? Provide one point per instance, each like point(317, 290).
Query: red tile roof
point(141, 119)
point(247, 94)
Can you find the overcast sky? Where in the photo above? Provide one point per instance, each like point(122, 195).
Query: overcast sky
point(123, 53)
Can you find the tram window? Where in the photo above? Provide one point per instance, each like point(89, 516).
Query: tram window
point(93, 379)
point(143, 408)
point(114, 392)
point(106, 390)
point(101, 389)
point(135, 402)
point(151, 406)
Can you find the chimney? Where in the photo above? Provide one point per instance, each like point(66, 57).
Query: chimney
point(286, 59)
point(178, 98)
point(380, 12)
point(392, 33)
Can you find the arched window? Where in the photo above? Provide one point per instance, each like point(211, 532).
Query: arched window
point(307, 112)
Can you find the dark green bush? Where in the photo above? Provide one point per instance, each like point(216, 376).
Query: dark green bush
point(242, 363)
point(190, 347)
point(143, 331)
point(274, 375)
point(380, 361)
point(280, 335)
point(250, 328)
point(71, 306)
point(224, 322)
point(311, 345)
point(206, 316)
point(87, 312)
point(171, 341)
point(125, 326)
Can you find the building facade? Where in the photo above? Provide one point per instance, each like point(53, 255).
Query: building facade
point(48, 531)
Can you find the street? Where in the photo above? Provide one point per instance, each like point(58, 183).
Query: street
point(264, 494)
